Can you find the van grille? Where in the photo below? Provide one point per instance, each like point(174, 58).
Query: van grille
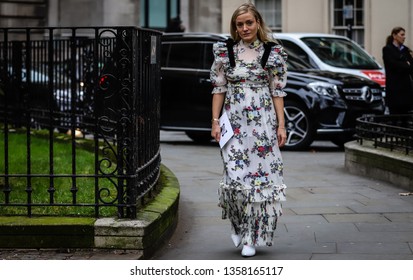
point(366, 94)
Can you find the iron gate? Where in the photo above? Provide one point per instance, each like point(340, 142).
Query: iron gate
point(102, 83)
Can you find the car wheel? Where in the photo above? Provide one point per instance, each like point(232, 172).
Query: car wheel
point(199, 137)
point(300, 130)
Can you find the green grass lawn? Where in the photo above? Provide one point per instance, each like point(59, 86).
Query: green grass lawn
point(62, 182)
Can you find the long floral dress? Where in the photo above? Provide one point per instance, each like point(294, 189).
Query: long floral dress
point(252, 186)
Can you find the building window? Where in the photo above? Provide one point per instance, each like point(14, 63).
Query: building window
point(271, 12)
point(348, 19)
point(157, 13)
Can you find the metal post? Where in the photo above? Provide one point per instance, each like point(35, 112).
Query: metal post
point(146, 14)
point(168, 12)
point(349, 19)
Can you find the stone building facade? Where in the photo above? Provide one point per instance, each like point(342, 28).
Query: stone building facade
point(373, 19)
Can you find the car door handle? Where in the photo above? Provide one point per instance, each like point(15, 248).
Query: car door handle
point(204, 80)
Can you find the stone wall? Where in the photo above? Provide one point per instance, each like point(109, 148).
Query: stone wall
point(28, 13)
point(390, 166)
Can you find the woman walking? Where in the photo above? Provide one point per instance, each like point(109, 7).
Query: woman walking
point(249, 74)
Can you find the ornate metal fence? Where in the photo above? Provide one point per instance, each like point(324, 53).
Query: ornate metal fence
point(394, 132)
point(100, 83)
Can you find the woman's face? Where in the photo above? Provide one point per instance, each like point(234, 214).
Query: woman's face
point(399, 37)
point(247, 27)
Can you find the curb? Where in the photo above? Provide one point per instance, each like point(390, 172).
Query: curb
point(46, 232)
point(155, 222)
point(379, 163)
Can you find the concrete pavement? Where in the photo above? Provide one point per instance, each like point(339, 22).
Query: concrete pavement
point(329, 214)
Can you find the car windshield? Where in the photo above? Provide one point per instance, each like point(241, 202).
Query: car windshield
point(340, 53)
point(294, 63)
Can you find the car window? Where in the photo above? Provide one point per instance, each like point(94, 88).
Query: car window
point(294, 63)
point(209, 56)
point(293, 50)
point(298, 59)
point(184, 55)
point(37, 75)
point(341, 53)
point(164, 54)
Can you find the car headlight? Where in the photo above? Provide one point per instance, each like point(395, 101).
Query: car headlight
point(325, 89)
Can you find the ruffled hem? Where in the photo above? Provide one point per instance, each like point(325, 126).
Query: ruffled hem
point(250, 194)
point(265, 238)
point(255, 222)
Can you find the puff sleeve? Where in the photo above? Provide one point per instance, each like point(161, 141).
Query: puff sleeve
point(217, 74)
point(277, 69)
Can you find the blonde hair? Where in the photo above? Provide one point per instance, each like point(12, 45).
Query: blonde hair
point(264, 33)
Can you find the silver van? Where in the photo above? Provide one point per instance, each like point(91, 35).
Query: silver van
point(333, 53)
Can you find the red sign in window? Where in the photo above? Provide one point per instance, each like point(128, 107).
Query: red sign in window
point(377, 76)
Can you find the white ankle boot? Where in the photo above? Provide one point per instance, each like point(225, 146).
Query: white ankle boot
point(236, 239)
point(248, 251)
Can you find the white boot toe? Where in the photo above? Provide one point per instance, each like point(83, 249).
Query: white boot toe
point(248, 251)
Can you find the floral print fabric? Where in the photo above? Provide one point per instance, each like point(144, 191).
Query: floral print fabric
point(252, 186)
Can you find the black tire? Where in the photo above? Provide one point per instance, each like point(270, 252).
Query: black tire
point(201, 137)
point(301, 130)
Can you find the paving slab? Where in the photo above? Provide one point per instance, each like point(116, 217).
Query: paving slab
point(321, 210)
point(376, 248)
point(356, 218)
point(326, 212)
point(329, 214)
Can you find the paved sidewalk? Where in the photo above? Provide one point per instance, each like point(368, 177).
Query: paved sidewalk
point(329, 213)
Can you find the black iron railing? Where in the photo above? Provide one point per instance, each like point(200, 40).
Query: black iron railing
point(394, 132)
point(100, 82)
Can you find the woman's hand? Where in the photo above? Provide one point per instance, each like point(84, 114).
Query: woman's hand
point(216, 131)
point(279, 111)
point(281, 136)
